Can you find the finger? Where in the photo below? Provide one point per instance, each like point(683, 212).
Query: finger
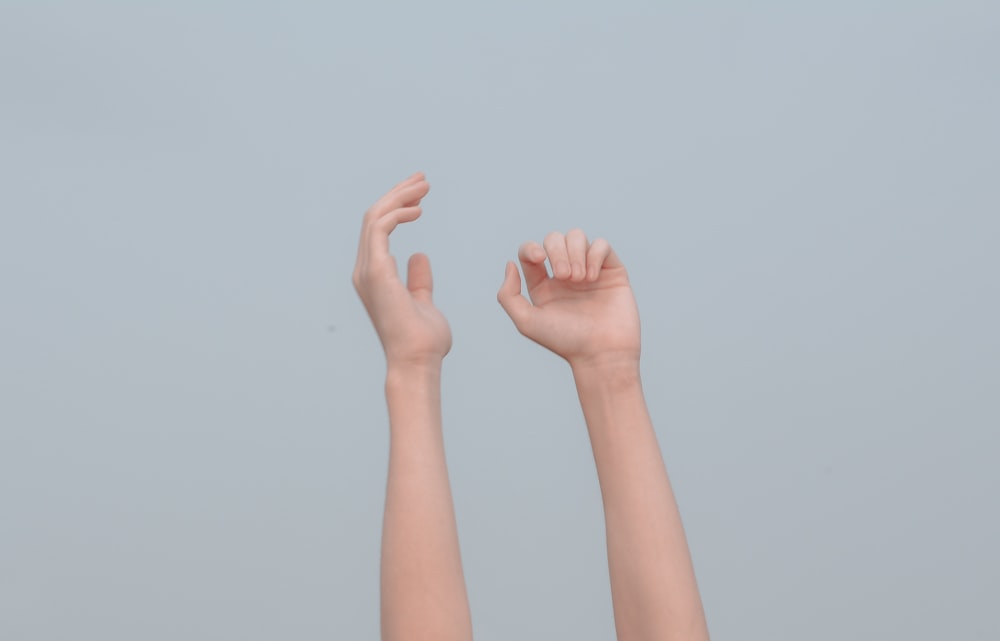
point(418, 277)
point(576, 249)
point(510, 298)
point(532, 258)
point(599, 256)
point(379, 230)
point(413, 179)
point(404, 195)
point(555, 247)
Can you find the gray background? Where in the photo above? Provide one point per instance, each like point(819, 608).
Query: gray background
point(193, 439)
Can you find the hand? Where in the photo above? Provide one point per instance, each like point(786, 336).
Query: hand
point(585, 312)
point(411, 329)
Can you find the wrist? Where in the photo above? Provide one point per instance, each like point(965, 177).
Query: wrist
point(410, 370)
point(605, 364)
point(413, 398)
point(414, 357)
point(609, 372)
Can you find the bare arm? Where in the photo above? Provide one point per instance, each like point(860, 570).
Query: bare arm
point(423, 593)
point(652, 580)
point(586, 313)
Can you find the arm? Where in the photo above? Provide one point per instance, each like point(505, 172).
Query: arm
point(422, 586)
point(586, 313)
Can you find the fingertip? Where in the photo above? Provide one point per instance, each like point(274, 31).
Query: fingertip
point(504, 292)
point(407, 182)
point(512, 274)
point(531, 252)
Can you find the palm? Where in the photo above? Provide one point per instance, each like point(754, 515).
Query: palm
point(408, 324)
point(580, 319)
point(431, 332)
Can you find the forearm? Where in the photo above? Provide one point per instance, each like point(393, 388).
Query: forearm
point(422, 586)
point(654, 592)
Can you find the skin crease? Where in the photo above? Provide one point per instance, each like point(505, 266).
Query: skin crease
point(584, 312)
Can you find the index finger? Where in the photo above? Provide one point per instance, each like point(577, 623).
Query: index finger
point(532, 258)
point(395, 207)
point(399, 196)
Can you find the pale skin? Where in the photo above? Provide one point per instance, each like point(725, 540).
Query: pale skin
point(585, 312)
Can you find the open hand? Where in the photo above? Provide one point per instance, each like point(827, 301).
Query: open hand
point(411, 329)
point(585, 312)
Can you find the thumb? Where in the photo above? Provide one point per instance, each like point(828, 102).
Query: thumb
point(418, 277)
point(510, 298)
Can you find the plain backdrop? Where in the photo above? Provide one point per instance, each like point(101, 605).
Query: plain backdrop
point(193, 438)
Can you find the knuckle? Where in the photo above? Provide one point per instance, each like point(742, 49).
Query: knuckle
point(369, 276)
point(385, 224)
